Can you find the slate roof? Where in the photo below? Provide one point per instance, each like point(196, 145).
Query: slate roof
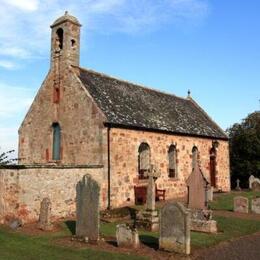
point(130, 105)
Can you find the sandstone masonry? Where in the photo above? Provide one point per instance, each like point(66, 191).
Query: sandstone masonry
point(84, 122)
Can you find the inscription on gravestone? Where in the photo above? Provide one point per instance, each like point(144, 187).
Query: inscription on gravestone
point(175, 228)
point(87, 209)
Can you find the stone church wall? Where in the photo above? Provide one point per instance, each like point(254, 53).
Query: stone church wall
point(80, 120)
point(22, 190)
point(124, 146)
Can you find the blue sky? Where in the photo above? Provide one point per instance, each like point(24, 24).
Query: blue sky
point(210, 47)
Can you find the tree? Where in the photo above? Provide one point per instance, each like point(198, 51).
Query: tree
point(5, 159)
point(245, 149)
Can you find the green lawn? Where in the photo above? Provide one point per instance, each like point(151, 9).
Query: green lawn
point(225, 201)
point(228, 227)
point(18, 246)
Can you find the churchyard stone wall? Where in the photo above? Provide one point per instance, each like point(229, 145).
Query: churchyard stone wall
point(22, 190)
point(124, 144)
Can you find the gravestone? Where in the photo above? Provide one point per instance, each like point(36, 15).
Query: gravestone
point(197, 189)
point(238, 185)
point(201, 221)
point(127, 237)
point(87, 209)
point(241, 204)
point(256, 205)
point(254, 183)
point(199, 193)
point(45, 215)
point(256, 186)
point(175, 228)
point(149, 218)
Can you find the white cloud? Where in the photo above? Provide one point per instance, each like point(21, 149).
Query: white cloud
point(25, 5)
point(6, 64)
point(15, 52)
point(25, 31)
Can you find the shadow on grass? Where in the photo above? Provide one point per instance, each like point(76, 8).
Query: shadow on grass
point(149, 241)
point(112, 242)
point(71, 225)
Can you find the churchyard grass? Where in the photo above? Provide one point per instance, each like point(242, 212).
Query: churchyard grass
point(229, 228)
point(225, 201)
point(14, 245)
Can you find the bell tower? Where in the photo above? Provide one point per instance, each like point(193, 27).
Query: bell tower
point(65, 40)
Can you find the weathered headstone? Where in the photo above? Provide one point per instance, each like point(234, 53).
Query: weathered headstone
point(45, 215)
point(256, 205)
point(87, 209)
point(197, 189)
point(175, 228)
point(241, 204)
point(201, 221)
point(199, 194)
point(238, 185)
point(254, 183)
point(149, 218)
point(127, 237)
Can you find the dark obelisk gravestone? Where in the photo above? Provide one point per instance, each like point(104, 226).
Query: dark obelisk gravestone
point(87, 223)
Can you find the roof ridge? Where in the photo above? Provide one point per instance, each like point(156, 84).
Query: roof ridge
point(131, 83)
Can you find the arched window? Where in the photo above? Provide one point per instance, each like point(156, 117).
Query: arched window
point(144, 157)
point(59, 33)
point(212, 166)
point(195, 158)
point(172, 157)
point(56, 142)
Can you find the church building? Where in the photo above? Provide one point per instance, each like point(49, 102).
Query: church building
point(85, 120)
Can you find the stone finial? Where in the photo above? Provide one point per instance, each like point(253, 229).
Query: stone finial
point(189, 94)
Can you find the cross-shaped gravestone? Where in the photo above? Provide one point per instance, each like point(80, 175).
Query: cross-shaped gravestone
point(238, 186)
point(153, 175)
